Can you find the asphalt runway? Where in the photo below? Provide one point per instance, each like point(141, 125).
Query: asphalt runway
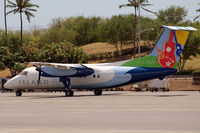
point(113, 112)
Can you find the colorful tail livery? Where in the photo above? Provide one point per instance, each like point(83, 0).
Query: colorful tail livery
point(168, 49)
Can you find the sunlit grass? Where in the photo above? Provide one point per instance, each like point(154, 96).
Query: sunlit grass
point(193, 63)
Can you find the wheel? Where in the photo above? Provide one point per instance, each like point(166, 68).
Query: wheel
point(69, 93)
point(97, 92)
point(18, 93)
point(163, 89)
point(138, 89)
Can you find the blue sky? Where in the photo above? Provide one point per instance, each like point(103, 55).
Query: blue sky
point(50, 9)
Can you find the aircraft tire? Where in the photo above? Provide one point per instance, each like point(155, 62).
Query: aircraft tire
point(69, 93)
point(18, 93)
point(163, 89)
point(98, 92)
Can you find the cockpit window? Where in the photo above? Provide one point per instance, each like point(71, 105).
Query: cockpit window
point(23, 73)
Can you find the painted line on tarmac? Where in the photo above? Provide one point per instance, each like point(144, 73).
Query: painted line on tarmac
point(4, 130)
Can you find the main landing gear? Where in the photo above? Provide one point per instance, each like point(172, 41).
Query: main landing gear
point(18, 93)
point(67, 84)
point(69, 93)
point(98, 92)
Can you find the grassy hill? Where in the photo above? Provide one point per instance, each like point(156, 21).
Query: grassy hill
point(100, 47)
point(193, 63)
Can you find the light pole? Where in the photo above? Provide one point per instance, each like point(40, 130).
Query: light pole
point(139, 6)
point(139, 52)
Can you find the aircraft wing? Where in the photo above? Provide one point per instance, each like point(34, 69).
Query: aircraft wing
point(62, 70)
point(54, 65)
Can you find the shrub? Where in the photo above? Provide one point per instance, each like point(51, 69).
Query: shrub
point(196, 77)
point(196, 73)
point(18, 67)
point(2, 66)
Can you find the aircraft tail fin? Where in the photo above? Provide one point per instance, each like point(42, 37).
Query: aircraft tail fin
point(168, 49)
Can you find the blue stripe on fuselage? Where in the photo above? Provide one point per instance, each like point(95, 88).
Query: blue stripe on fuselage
point(130, 75)
point(145, 73)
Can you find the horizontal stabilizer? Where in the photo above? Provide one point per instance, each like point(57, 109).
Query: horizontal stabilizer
point(179, 28)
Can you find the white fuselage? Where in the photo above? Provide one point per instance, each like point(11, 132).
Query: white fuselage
point(103, 77)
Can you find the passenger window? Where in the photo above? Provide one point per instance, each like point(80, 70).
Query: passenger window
point(24, 73)
point(94, 76)
point(98, 76)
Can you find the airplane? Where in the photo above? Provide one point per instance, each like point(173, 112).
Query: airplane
point(161, 62)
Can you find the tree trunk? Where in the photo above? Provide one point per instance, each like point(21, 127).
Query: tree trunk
point(183, 64)
point(180, 64)
point(121, 47)
point(116, 46)
point(5, 19)
point(134, 33)
point(21, 28)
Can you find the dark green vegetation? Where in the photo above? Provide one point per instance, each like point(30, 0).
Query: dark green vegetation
point(62, 40)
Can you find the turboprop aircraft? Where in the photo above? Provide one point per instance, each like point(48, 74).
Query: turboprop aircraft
point(161, 62)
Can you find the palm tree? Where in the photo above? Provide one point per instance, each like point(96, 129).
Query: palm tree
point(5, 20)
point(22, 6)
point(136, 4)
point(198, 10)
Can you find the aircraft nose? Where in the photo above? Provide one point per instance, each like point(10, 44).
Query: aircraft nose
point(9, 84)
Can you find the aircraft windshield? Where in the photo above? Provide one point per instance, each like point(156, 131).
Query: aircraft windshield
point(23, 73)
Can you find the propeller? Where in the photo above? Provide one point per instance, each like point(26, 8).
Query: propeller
point(40, 73)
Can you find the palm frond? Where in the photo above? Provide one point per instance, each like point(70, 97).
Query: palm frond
point(11, 3)
point(196, 17)
point(29, 15)
point(29, 9)
point(19, 2)
point(131, 1)
point(125, 5)
point(32, 5)
point(143, 1)
point(12, 11)
point(146, 4)
point(155, 13)
point(11, 6)
point(26, 1)
point(17, 10)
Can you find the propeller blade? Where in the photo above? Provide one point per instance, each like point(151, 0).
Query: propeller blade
point(39, 77)
point(40, 73)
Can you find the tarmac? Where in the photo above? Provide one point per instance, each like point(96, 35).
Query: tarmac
point(113, 112)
